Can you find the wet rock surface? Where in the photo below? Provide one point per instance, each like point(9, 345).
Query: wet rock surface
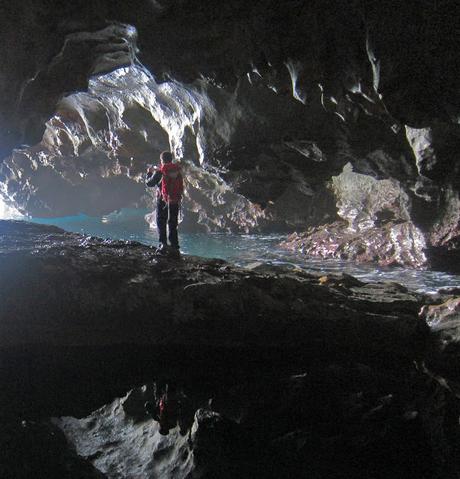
point(443, 320)
point(219, 305)
point(394, 244)
point(287, 373)
point(375, 224)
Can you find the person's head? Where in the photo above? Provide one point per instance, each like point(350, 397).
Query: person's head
point(166, 157)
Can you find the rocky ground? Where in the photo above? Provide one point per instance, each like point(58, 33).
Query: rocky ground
point(287, 374)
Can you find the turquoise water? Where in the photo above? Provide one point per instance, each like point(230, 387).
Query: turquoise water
point(245, 249)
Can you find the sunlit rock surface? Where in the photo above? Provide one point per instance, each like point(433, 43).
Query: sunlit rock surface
point(364, 201)
point(250, 165)
point(392, 244)
point(95, 150)
point(120, 445)
point(375, 224)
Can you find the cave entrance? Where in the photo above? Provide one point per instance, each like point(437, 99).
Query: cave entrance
point(7, 212)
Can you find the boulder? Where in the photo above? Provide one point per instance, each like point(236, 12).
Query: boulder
point(393, 244)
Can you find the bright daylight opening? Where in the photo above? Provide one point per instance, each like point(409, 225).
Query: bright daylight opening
point(7, 212)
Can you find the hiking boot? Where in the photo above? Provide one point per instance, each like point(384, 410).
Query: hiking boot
point(174, 252)
point(162, 250)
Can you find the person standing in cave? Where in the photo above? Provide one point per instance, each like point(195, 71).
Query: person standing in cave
point(168, 177)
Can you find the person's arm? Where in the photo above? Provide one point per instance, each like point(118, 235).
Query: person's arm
point(153, 178)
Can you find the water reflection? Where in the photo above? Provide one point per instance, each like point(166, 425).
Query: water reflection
point(246, 249)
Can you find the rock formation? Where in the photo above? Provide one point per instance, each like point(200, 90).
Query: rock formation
point(339, 122)
point(286, 372)
point(265, 102)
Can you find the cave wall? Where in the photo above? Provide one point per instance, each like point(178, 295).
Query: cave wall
point(265, 103)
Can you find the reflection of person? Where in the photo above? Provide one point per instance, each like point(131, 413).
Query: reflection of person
point(168, 177)
point(171, 408)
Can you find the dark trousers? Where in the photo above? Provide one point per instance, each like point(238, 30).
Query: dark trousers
point(167, 214)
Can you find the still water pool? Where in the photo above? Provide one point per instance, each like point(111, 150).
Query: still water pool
point(246, 249)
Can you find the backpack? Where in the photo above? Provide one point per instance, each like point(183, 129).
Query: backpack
point(172, 185)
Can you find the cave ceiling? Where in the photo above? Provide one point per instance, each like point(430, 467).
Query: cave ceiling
point(399, 57)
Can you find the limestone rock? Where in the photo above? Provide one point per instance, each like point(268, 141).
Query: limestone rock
point(363, 200)
point(393, 244)
point(443, 320)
